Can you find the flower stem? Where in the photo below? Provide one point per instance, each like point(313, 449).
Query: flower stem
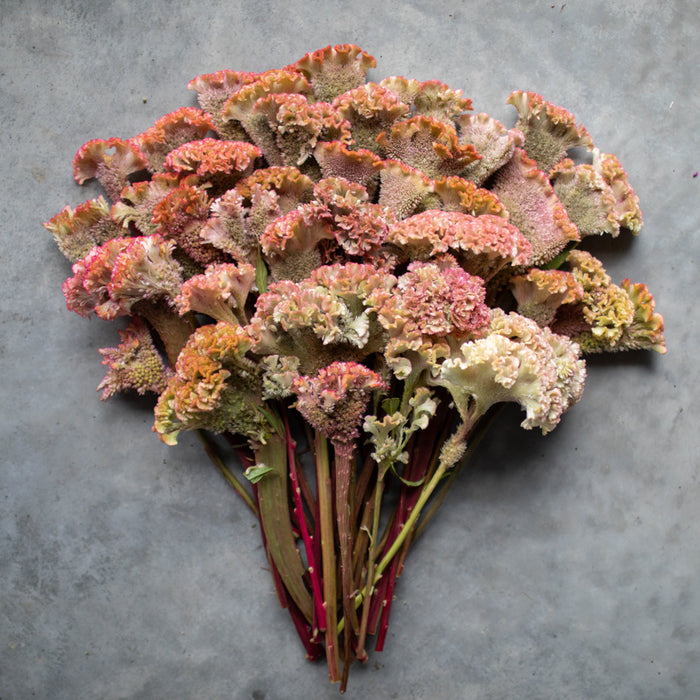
point(308, 544)
point(227, 473)
point(326, 527)
point(275, 521)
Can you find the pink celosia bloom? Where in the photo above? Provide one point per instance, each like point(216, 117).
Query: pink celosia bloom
point(626, 209)
point(430, 99)
point(335, 307)
point(492, 141)
point(144, 270)
point(77, 231)
point(432, 301)
point(134, 364)
point(287, 182)
point(534, 208)
point(457, 194)
point(140, 199)
point(226, 227)
point(213, 159)
point(221, 292)
point(239, 110)
point(334, 70)
point(335, 400)
point(540, 293)
point(549, 131)
point(402, 188)
point(214, 89)
point(290, 243)
point(482, 244)
point(370, 109)
point(587, 197)
point(428, 145)
point(111, 161)
point(169, 132)
point(337, 160)
point(180, 216)
point(87, 291)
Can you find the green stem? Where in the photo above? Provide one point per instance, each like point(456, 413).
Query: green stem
point(475, 438)
point(227, 473)
point(447, 461)
point(326, 527)
point(173, 330)
point(362, 636)
point(275, 520)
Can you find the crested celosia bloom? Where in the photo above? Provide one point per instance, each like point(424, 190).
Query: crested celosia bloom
point(324, 270)
point(135, 364)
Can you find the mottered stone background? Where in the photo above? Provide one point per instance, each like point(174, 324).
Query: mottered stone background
point(560, 567)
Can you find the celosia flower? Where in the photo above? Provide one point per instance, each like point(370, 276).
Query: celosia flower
point(540, 293)
point(482, 244)
point(134, 364)
point(86, 291)
point(611, 317)
point(457, 194)
point(240, 107)
point(180, 216)
point(516, 362)
point(144, 270)
point(332, 310)
point(221, 292)
point(549, 131)
point(335, 400)
point(334, 70)
point(370, 109)
point(290, 243)
point(77, 231)
point(337, 160)
point(403, 189)
point(626, 208)
point(213, 91)
point(111, 161)
point(138, 202)
point(534, 208)
point(588, 199)
point(429, 307)
point(200, 394)
point(360, 226)
point(169, 132)
point(221, 162)
point(293, 125)
point(287, 182)
point(491, 140)
point(428, 145)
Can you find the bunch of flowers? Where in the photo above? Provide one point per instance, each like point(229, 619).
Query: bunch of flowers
point(343, 279)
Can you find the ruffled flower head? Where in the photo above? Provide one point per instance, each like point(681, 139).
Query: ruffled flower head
point(516, 362)
point(111, 161)
point(169, 132)
point(534, 208)
point(335, 400)
point(215, 387)
point(549, 131)
point(134, 365)
point(334, 70)
point(77, 231)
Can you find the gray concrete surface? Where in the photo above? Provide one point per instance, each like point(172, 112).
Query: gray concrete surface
point(561, 567)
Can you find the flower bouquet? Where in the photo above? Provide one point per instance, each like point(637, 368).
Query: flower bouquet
point(337, 282)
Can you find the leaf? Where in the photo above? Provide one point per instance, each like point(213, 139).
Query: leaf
point(257, 472)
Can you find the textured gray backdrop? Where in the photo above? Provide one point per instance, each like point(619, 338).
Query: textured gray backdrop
point(561, 567)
